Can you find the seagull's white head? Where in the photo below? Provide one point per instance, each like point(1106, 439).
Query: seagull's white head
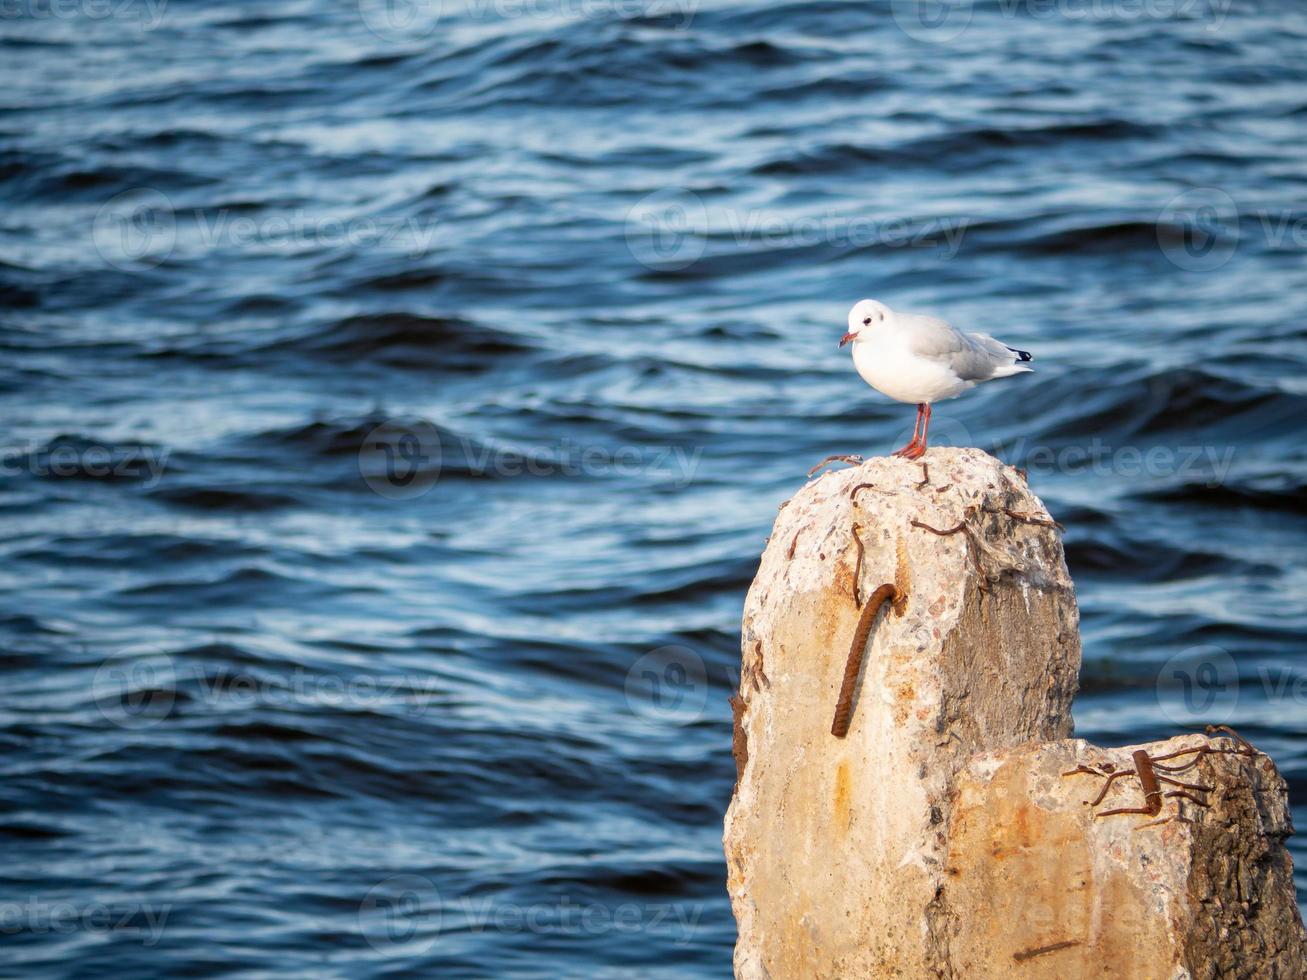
point(865, 317)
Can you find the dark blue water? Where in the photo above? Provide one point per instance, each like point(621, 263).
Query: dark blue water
point(396, 399)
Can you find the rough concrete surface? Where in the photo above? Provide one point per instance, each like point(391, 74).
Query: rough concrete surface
point(939, 838)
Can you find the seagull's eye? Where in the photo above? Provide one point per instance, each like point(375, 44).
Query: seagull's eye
point(867, 322)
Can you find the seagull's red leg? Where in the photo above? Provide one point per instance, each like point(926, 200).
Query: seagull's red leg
point(917, 447)
point(910, 450)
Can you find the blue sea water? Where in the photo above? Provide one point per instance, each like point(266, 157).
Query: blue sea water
point(396, 397)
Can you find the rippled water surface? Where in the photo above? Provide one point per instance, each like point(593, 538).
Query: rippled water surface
point(395, 409)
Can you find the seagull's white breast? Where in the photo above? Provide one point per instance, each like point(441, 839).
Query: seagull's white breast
point(885, 362)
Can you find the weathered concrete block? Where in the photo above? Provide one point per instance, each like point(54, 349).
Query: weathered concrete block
point(936, 838)
point(1039, 885)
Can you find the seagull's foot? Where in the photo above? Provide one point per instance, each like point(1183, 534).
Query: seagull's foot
point(913, 450)
point(838, 458)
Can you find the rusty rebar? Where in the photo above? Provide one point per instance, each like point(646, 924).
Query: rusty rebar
point(1030, 954)
point(973, 543)
point(853, 493)
point(1148, 783)
point(837, 458)
point(853, 666)
point(857, 568)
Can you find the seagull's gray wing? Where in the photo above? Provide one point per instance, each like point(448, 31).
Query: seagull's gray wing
point(971, 356)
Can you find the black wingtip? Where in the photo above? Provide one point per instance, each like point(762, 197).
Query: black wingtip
point(1022, 355)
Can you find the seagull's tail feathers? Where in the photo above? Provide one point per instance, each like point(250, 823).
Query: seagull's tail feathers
point(1007, 370)
point(1020, 366)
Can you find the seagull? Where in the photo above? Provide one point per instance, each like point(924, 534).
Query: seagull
point(921, 359)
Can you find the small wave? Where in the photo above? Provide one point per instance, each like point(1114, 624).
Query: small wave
point(954, 150)
point(728, 576)
point(355, 452)
point(391, 282)
point(1180, 400)
point(1053, 134)
point(323, 437)
point(101, 183)
point(220, 499)
point(1111, 238)
point(1148, 561)
point(245, 577)
point(1064, 233)
point(18, 830)
point(408, 340)
point(830, 158)
point(1280, 492)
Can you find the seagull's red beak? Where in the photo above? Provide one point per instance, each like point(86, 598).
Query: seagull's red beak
point(847, 337)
